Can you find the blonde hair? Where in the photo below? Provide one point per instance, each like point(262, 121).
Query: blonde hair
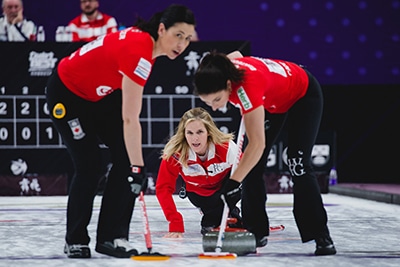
point(177, 144)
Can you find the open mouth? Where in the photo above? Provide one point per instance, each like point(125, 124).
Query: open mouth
point(196, 145)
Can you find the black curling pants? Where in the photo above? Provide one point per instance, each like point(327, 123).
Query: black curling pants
point(83, 126)
point(302, 121)
point(211, 207)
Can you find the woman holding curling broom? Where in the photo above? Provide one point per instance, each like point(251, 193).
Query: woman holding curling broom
point(203, 156)
point(270, 93)
point(96, 93)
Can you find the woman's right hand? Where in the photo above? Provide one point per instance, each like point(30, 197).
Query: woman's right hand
point(174, 235)
point(18, 18)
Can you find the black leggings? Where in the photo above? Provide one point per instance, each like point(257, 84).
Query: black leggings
point(210, 206)
point(302, 121)
point(83, 127)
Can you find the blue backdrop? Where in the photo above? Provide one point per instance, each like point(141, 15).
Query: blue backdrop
point(341, 42)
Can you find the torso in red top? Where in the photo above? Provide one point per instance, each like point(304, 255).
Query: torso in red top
point(84, 30)
point(201, 177)
point(274, 84)
point(204, 178)
point(95, 70)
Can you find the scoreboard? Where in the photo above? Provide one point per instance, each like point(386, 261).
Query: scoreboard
point(25, 123)
point(32, 152)
point(30, 146)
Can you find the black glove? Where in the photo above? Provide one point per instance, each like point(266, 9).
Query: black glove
point(232, 192)
point(138, 179)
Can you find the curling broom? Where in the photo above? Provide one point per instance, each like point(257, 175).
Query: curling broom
point(147, 256)
point(218, 254)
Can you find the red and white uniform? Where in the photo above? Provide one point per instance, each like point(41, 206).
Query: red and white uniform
point(274, 84)
point(84, 30)
point(201, 177)
point(95, 70)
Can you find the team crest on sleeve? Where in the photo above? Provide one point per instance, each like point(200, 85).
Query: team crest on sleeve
point(143, 69)
point(244, 99)
point(59, 111)
point(76, 129)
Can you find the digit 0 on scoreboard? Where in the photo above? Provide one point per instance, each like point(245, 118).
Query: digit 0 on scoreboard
point(6, 134)
point(26, 134)
point(43, 109)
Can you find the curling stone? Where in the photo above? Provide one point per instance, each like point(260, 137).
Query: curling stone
point(235, 240)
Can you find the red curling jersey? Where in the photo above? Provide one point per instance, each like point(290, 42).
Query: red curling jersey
point(274, 84)
point(201, 177)
point(84, 30)
point(95, 70)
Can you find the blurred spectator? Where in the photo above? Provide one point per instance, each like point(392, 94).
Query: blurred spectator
point(91, 23)
point(13, 26)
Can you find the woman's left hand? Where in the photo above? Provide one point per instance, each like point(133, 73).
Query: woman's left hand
point(174, 235)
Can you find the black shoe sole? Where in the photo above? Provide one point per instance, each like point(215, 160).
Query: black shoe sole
point(118, 253)
point(261, 242)
point(325, 251)
point(79, 255)
point(83, 254)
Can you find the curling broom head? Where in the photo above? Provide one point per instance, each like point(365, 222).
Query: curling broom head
point(218, 256)
point(146, 256)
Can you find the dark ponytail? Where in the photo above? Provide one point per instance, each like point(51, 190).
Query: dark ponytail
point(214, 71)
point(171, 15)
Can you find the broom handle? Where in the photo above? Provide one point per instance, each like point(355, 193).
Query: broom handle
point(145, 220)
point(225, 212)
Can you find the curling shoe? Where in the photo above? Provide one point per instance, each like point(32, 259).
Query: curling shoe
point(261, 242)
point(324, 246)
point(119, 248)
point(205, 229)
point(77, 251)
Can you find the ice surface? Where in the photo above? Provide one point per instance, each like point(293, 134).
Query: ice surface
point(366, 233)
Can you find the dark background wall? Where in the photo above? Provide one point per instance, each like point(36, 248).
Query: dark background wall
point(353, 48)
point(364, 118)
